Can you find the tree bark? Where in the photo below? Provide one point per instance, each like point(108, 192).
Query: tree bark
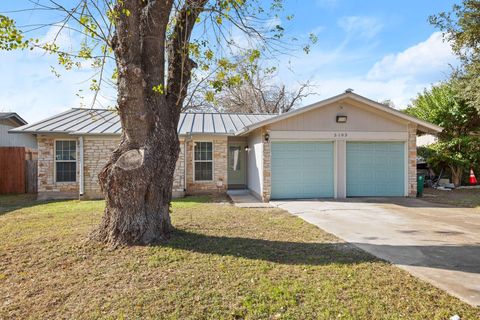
point(137, 180)
point(457, 174)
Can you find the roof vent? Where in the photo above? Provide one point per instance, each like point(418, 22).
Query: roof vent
point(349, 90)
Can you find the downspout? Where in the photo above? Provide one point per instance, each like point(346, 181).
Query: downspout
point(80, 160)
point(187, 138)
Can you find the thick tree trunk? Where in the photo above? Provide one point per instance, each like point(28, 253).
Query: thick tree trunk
point(137, 180)
point(137, 184)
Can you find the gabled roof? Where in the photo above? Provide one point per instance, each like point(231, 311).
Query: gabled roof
point(423, 126)
point(79, 121)
point(13, 116)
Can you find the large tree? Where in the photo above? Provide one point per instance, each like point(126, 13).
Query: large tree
point(458, 147)
point(461, 27)
point(153, 45)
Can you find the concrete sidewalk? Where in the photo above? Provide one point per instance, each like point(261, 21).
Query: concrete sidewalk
point(438, 244)
point(244, 199)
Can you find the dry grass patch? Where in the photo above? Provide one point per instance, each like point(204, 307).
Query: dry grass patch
point(468, 198)
point(222, 262)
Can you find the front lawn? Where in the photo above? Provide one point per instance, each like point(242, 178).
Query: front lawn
point(222, 262)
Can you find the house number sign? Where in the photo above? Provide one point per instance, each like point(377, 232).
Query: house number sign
point(340, 135)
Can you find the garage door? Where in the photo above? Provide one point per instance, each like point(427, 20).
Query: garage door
point(302, 170)
point(375, 169)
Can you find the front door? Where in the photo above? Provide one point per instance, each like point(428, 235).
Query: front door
point(237, 171)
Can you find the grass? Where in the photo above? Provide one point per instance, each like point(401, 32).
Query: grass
point(222, 262)
point(467, 198)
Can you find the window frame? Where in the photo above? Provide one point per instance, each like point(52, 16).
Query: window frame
point(55, 161)
point(195, 161)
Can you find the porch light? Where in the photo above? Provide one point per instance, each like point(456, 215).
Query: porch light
point(341, 119)
point(267, 137)
point(247, 149)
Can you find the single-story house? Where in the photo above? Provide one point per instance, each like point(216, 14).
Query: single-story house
point(344, 146)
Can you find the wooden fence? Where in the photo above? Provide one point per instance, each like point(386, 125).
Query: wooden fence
point(17, 175)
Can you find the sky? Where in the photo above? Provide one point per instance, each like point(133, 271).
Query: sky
point(381, 49)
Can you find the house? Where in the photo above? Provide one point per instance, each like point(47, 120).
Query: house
point(11, 120)
point(18, 152)
point(344, 146)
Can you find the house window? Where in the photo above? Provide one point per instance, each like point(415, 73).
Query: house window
point(203, 159)
point(66, 161)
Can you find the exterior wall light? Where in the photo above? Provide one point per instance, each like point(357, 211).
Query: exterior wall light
point(341, 119)
point(267, 137)
point(247, 149)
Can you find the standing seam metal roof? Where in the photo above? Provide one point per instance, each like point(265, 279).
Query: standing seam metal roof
point(78, 121)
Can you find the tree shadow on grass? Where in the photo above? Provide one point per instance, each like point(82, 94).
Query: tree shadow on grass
point(284, 252)
point(465, 258)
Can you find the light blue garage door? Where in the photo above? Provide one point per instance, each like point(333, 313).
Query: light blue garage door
point(302, 170)
point(375, 169)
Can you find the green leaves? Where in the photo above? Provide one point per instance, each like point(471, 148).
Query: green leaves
point(458, 148)
point(11, 38)
point(461, 28)
point(444, 106)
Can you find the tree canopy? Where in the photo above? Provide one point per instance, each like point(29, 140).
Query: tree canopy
point(458, 147)
point(461, 27)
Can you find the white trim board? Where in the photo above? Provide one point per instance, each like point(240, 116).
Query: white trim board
point(338, 135)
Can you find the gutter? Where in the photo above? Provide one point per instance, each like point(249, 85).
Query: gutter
point(80, 160)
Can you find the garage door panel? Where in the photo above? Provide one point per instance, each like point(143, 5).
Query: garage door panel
point(302, 170)
point(375, 169)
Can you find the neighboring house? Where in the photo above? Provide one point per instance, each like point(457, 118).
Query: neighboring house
point(11, 120)
point(18, 167)
point(344, 146)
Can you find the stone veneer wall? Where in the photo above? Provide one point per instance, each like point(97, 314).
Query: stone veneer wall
point(219, 167)
point(412, 160)
point(47, 187)
point(178, 189)
point(267, 171)
point(96, 152)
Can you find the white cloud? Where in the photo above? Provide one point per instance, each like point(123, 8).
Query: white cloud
point(30, 89)
point(420, 60)
point(398, 77)
point(360, 26)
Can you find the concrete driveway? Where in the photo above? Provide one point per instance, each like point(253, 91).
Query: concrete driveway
point(436, 243)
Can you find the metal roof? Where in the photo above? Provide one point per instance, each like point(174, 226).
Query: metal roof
point(14, 116)
point(79, 121)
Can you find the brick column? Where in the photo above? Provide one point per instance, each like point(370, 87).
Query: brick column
point(412, 160)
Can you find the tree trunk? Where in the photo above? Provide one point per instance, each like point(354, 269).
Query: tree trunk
point(457, 174)
point(137, 180)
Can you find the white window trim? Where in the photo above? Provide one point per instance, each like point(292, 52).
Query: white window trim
point(55, 162)
point(195, 161)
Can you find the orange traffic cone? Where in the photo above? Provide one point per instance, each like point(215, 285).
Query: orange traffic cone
point(473, 180)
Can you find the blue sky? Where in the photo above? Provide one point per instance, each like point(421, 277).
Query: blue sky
point(382, 49)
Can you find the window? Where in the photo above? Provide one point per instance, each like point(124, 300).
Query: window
point(66, 161)
point(203, 161)
point(234, 159)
